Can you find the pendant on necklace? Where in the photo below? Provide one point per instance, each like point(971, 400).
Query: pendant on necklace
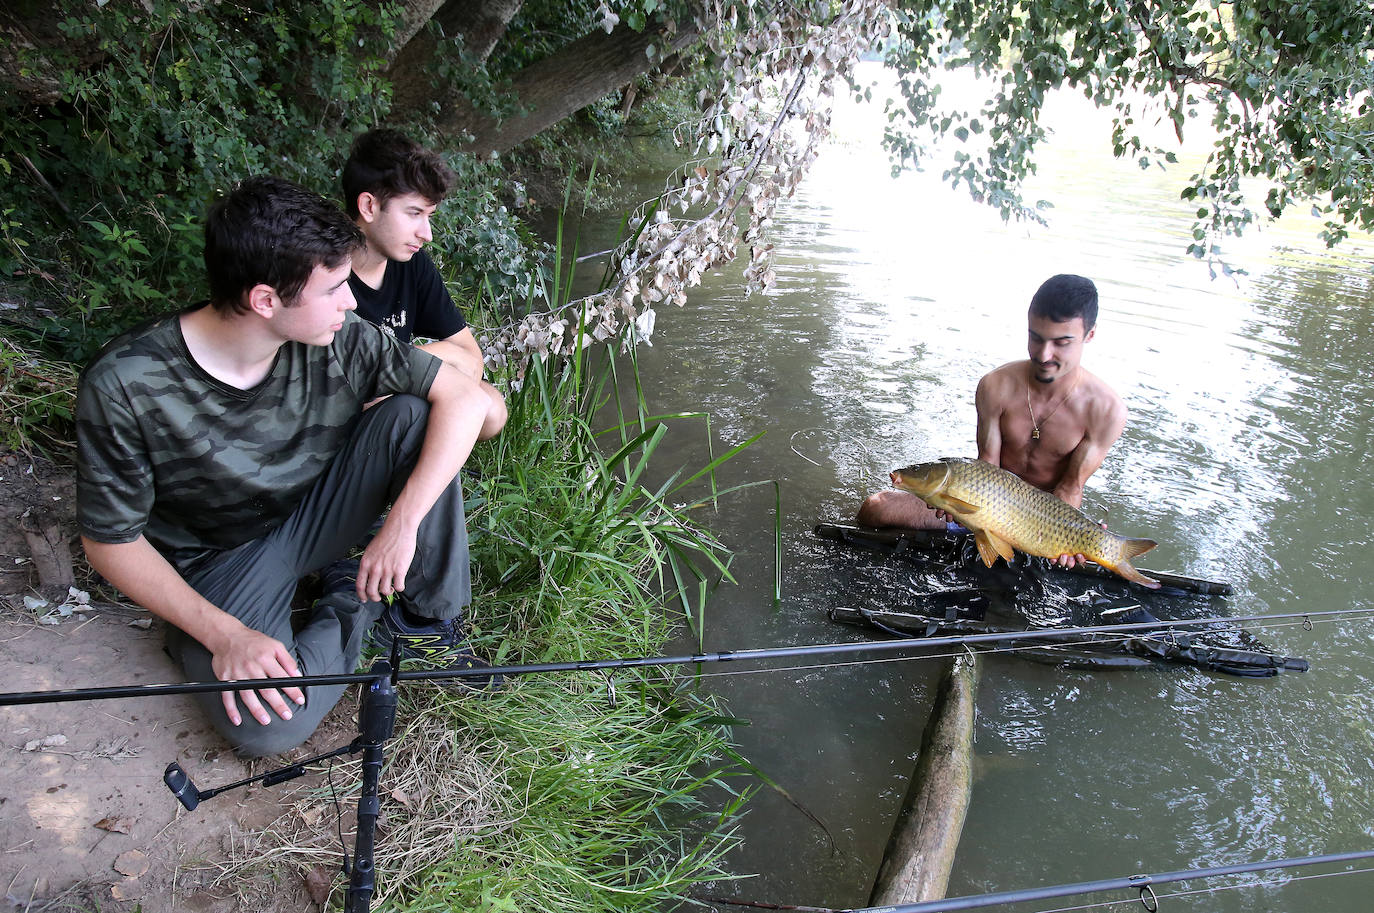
point(1035, 434)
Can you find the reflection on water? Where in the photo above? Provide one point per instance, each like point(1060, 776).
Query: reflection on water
point(1246, 456)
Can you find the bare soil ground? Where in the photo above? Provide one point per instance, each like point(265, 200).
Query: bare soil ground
point(86, 822)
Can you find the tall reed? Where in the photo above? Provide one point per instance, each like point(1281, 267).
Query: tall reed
point(611, 792)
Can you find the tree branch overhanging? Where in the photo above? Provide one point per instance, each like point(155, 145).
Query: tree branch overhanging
point(481, 26)
point(564, 83)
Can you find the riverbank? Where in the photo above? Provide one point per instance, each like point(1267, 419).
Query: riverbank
point(88, 823)
point(556, 793)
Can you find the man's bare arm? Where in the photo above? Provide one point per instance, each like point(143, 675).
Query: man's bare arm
point(989, 408)
point(462, 352)
point(458, 408)
point(237, 651)
point(459, 350)
point(1105, 425)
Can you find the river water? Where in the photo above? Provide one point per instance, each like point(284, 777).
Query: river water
point(1245, 456)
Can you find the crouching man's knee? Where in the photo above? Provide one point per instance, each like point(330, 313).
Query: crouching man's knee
point(251, 739)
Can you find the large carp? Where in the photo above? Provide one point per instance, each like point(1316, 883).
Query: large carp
point(1004, 512)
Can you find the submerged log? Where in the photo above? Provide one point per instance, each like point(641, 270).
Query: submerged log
point(920, 852)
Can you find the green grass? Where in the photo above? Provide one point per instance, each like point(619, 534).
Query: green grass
point(37, 401)
point(613, 792)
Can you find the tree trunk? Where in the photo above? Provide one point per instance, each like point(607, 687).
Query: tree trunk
point(28, 35)
point(415, 14)
point(564, 83)
point(24, 79)
point(480, 24)
point(52, 558)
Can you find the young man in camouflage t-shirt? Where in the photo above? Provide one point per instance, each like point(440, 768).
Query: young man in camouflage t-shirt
point(223, 453)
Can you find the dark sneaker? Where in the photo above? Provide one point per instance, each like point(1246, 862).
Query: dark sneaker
point(437, 641)
point(340, 577)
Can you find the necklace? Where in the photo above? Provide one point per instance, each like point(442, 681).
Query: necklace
point(1035, 426)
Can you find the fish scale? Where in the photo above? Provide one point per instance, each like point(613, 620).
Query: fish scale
point(1006, 513)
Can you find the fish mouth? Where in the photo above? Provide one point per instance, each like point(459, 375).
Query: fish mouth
point(908, 479)
point(921, 479)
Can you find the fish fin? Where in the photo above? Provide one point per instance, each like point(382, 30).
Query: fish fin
point(1125, 570)
point(989, 547)
point(1003, 547)
point(955, 505)
point(985, 549)
point(1130, 548)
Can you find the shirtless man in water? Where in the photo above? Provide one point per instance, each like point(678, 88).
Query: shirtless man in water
point(1046, 419)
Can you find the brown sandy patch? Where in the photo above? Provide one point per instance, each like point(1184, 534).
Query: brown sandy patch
point(86, 822)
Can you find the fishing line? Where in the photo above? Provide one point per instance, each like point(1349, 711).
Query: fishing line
point(338, 816)
point(863, 448)
point(791, 445)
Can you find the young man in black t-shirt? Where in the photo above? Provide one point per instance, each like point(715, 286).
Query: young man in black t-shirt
point(391, 187)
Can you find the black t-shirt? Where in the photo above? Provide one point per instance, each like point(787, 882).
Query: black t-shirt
point(412, 300)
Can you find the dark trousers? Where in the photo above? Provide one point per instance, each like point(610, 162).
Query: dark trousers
point(256, 581)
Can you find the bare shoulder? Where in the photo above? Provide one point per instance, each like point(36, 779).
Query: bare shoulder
point(1101, 404)
point(1004, 382)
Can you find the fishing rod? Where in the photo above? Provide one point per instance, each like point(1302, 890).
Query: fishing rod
point(377, 706)
point(1143, 884)
point(1056, 635)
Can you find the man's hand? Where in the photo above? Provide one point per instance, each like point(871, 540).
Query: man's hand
point(1067, 560)
point(386, 561)
point(252, 654)
point(457, 408)
point(236, 651)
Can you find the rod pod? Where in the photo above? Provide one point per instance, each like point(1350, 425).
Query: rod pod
point(376, 724)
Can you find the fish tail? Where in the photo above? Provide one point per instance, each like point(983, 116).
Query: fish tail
point(1130, 548)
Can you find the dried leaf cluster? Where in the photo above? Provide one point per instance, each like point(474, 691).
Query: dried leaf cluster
point(754, 142)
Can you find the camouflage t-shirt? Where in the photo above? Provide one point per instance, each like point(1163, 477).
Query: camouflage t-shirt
point(196, 465)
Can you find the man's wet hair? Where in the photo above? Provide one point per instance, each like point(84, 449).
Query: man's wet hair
point(269, 231)
point(386, 163)
point(1063, 297)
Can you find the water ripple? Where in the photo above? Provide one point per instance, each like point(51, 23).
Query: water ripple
point(1246, 455)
